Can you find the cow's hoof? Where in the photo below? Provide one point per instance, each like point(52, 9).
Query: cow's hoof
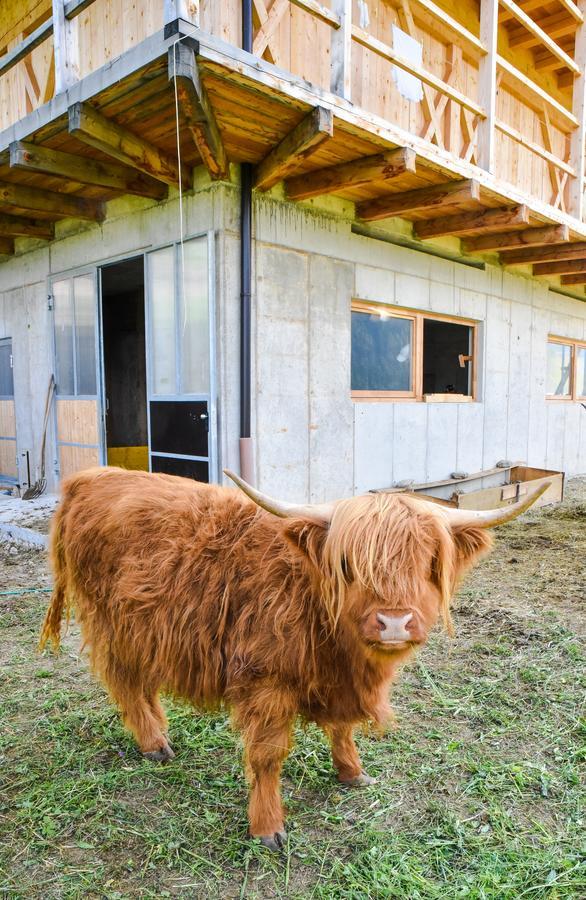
point(275, 842)
point(160, 756)
point(362, 780)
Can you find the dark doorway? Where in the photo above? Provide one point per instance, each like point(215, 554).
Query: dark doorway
point(123, 334)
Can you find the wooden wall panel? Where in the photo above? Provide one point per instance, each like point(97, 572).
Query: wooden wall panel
point(8, 463)
point(7, 419)
point(74, 459)
point(77, 421)
point(109, 27)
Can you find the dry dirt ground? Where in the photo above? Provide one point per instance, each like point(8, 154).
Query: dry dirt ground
point(479, 794)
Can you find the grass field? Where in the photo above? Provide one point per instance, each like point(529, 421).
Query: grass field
point(479, 791)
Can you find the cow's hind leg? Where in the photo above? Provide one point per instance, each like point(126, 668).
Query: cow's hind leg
point(141, 711)
point(267, 740)
point(346, 758)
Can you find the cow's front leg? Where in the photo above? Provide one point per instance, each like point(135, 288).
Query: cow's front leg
point(345, 756)
point(267, 740)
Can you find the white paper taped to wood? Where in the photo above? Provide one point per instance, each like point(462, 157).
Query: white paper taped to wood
point(408, 85)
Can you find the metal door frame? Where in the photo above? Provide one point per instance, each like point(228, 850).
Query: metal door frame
point(211, 397)
point(4, 478)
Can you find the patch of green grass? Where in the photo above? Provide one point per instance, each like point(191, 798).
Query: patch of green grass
point(480, 790)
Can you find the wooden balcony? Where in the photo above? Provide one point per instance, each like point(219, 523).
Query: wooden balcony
point(469, 122)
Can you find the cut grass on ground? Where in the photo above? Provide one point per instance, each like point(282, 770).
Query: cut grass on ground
point(479, 791)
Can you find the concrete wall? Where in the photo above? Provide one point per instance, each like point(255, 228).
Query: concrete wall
point(312, 441)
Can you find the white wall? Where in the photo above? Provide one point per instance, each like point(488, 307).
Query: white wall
point(312, 441)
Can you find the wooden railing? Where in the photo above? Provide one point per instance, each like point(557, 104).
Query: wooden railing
point(475, 103)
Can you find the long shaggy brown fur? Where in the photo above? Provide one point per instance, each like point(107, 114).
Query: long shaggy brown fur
point(192, 589)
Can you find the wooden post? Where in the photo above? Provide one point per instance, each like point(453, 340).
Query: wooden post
point(66, 48)
point(341, 50)
point(578, 140)
point(181, 9)
point(487, 84)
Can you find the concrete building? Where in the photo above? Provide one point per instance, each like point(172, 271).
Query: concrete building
point(416, 290)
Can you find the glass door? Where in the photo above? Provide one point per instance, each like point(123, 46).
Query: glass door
point(8, 460)
point(180, 360)
point(77, 410)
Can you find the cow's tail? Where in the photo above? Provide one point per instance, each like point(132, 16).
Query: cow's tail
point(60, 600)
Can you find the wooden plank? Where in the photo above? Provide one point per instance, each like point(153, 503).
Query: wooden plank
point(578, 138)
point(519, 138)
point(485, 153)
point(91, 127)
point(77, 421)
point(16, 226)
point(197, 110)
point(65, 48)
point(318, 11)
point(556, 25)
point(561, 267)
point(6, 246)
point(528, 255)
point(34, 158)
point(75, 459)
point(34, 39)
point(74, 8)
point(450, 193)
point(569, 118)
point(574, 10)
point(576, 278)
point(482, 220)
point(7, 419)
point(358, 172)
point(58, 206)
point(383, 50)
point(269, 27)
point(456, 27)
point(298, 145)
point(8, 459)
point(341, 50)
point(539, 33)
point(531, 237)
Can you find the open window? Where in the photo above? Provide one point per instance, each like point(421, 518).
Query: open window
point(566, 369)
point(400, 354)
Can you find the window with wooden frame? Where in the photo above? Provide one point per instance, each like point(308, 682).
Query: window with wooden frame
point(400, 354)
point(566, 369)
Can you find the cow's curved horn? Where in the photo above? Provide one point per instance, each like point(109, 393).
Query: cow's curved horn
point(319, 513)
point(490, 518)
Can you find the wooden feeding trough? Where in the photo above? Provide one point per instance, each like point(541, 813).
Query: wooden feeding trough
point(491, 488)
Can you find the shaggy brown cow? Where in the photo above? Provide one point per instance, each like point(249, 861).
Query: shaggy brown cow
point(196, 590)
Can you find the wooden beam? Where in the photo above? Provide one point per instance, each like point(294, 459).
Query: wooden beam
point(34, 158)
point(556, 25)
point(65, 48)
point(453, 25)
point(449, 193)
point(538, 149)
point(483, 220)
point(197, 110)
point(539, 33)
point(578, 278)
point(318, 11)
point(298, 145)
point(34, 39)
point(6, 246)
point(569, 118)
point(485, 154)
point(531, 237)
point(91, 127)
point(56, 206)
point(380, 167)
point(341, 51)
point(385, 52)
point(16, 226)
point(561, 267)
point(74, 8)
point(529, 255)
point(578, 137)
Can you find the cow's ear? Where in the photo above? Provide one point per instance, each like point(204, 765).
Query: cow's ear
point(471, 543)
point(307, 537)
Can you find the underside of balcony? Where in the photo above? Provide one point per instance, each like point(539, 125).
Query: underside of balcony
point(114, 133)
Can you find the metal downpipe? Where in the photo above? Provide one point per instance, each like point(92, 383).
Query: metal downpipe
point(246, 444)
